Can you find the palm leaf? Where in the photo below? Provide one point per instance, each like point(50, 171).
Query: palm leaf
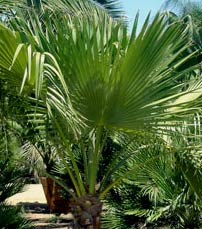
point(113, 7)
point(122, 88)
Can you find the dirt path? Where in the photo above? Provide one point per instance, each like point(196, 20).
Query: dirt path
point(34, 202)
point(32, 193)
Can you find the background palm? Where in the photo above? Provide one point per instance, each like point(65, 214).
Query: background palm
point(164, 184)
point(158, 191)
point(192, 12)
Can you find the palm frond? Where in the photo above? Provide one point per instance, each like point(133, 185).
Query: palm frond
point(114, 7)
point(12, 217)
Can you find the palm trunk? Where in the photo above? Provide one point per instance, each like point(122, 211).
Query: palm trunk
point(95, 224)
point(87, 211)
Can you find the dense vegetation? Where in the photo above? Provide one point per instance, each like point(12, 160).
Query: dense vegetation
point(12, 180)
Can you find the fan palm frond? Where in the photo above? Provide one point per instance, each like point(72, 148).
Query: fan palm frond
point(114, 7)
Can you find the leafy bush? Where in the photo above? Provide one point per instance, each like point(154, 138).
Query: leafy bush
point(12, 217)
point(12, 180)
point(158, 193)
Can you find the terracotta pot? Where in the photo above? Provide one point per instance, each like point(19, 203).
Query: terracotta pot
point(56, 203)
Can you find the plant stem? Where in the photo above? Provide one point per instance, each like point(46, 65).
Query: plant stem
point(95, 160)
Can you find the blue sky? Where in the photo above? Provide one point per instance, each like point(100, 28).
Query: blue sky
point(144, 6)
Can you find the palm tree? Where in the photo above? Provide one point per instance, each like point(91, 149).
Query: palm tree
point(77, 67)
point(167, 193)
point(113, 7)
point(186, 9)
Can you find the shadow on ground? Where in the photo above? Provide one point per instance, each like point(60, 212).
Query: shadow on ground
point(42, 218)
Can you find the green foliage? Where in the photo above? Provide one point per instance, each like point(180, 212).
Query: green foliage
point(114, 7)
point(13, 173)
point(190, 12)
point(12, 217)
point(160, 191)
point(12, 180)
point(191, 166)
point(118, 201)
